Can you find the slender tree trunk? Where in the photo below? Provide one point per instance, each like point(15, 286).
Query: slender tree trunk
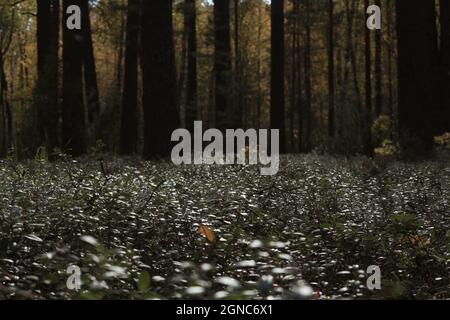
point(129, 124)
point(181, 87)
point(192, 112)
point(22, 81)
point(258, 67)
point(120, 50)
point(367, 114)
point(209, 110)
point(293, 76)
point(46, 94)
point(350, 62)
point(444, 126)
point(74, 127)
point(298, 87)
point(378, 75)
point(368, 65)
point(343, 65)
point(417, 75)
point(300, 100)
point(353, 61)
point(390, 54)
point(238, 107)
point(277, 110)
point(222, 64)
point(331, 93)
point(161, 112)
point(3, 122)
point(89, 66)
point(308, 80)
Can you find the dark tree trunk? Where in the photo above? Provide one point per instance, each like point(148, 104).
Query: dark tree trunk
point(190, 24)
point(352, 55)
point(120, 50)
point(378, 76)
point(367, 114)
point(444, 126)
point(390, 54)
point(308, 80)
point(46, 94)
point(331, 93)
point(222, 64)
point(159, 78)
point(3, 106)
point(258, 67)
point(74, 127)
point(417, 74)
point(294, 79)
point(181, 84)
point(297, 81)
point(237, 102)
point(277, 107)
point(6, 136)
point(129, 117)
point(89, 67)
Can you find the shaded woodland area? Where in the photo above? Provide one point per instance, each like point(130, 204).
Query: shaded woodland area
point(87, 114)
point(137, 71)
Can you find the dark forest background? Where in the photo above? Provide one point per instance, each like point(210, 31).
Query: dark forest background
point(139, 69)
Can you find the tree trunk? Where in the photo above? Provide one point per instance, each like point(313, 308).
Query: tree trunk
point(390, 54)
point(308, 80)
point(46, 94)
point(297, 82)
point(331, 113)
point(129, 117)
point(181, 84)
point(293, 77)
point(222, 64)
point(3, 122)
point(74, 128)
point(378, 76)
point(89, 67)
point(367, 114)
point(350, 65)
point(120, 49)
point(417, 74)
point(444, 126)
point(277, 108)
point(191, 85)
point(237, 102)
point(258, 68)
point(353, 61)
point(159, 78)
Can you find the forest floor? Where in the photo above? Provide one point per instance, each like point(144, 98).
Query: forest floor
point(153, 230)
